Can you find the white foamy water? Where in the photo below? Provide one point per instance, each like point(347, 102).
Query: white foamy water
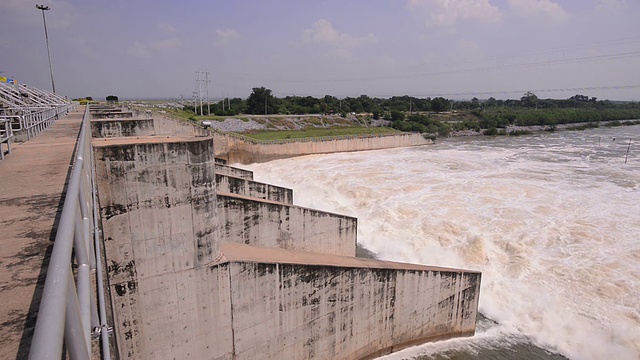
point(551, 220)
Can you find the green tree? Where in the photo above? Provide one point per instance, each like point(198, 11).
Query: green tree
point(529, 99)
point(262, 101)
point(397, 115)
point(440, 104)
point(112, 99)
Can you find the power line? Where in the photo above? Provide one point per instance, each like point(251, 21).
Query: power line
point(480, 93)
point(478, 69)
point(588, 88)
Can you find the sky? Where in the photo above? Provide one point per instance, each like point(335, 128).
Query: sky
point(458, 49)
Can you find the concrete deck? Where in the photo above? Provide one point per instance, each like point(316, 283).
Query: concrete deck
point(32, 182)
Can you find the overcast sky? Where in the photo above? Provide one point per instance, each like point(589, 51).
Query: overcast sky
point(453, 48)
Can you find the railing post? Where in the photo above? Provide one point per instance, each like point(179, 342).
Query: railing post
point(74, 332)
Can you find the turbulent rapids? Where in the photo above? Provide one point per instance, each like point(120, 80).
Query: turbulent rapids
point(552, 221)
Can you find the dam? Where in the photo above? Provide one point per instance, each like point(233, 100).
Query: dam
point(197, 260)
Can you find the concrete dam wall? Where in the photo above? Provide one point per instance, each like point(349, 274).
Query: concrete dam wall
point(253, 189)
point(204, 262)
point(288, 305)
point(106, 128)
point(237, 150)
point(271, 224)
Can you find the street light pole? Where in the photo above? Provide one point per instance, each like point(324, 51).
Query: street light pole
point(46, 36)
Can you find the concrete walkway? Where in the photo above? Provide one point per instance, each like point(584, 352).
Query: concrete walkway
point(32, 181)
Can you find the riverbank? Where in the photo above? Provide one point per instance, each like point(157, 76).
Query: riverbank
point(538, 128)
point(284, 123)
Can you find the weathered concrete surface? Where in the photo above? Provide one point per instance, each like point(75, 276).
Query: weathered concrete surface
point(173, 127)
point(111, 114)
point(157, 203)
point(293, 305)
point(33, 180)
point(234, 171)
point(106, 128)
point(179, 291)
point(254, 189)
point(235, 150)
point(266, 223)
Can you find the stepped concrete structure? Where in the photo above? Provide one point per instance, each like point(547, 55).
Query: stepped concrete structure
point(205, 262)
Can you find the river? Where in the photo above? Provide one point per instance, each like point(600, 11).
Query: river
point(552, 220)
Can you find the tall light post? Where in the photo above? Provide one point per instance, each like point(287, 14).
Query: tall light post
point(46, 36)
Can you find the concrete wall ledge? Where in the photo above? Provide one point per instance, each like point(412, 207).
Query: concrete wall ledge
point(233, 171)
point(266, 201)
point(105, 128)
point(253, 189)
point(233, 252)
point(145, 140)
point(110, 114)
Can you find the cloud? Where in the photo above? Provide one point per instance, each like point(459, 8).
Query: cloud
point(83, 46)
point(449, 12)
point(468, 49)
point(167, 45)
point(534, 10)
point(322, 32)
point(166, 28)
point(138, 51)
point(227, 35)
point(611, 5)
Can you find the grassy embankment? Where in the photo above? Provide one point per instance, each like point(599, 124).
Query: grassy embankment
point(319, 132)
point(311, 126)
point(490, 122)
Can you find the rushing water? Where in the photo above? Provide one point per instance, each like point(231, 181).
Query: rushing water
point(552, 221)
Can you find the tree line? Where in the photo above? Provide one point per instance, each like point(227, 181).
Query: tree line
point(262, 101)
point(437, 115)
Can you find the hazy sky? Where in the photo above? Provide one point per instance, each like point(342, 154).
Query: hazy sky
point(452, 48)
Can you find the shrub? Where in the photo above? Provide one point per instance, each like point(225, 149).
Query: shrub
point(491, 131)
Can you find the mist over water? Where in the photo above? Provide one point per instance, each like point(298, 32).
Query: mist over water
point(552, 221)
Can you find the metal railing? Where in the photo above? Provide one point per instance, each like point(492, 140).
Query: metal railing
point(69, 315)
point(32, 121)
point(31, 110)
point(6, 136)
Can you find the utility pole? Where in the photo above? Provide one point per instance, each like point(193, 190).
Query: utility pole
point(207, 84)
point(46, 36)
point(199, 91)
point(222, 101)
point(265, 104)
